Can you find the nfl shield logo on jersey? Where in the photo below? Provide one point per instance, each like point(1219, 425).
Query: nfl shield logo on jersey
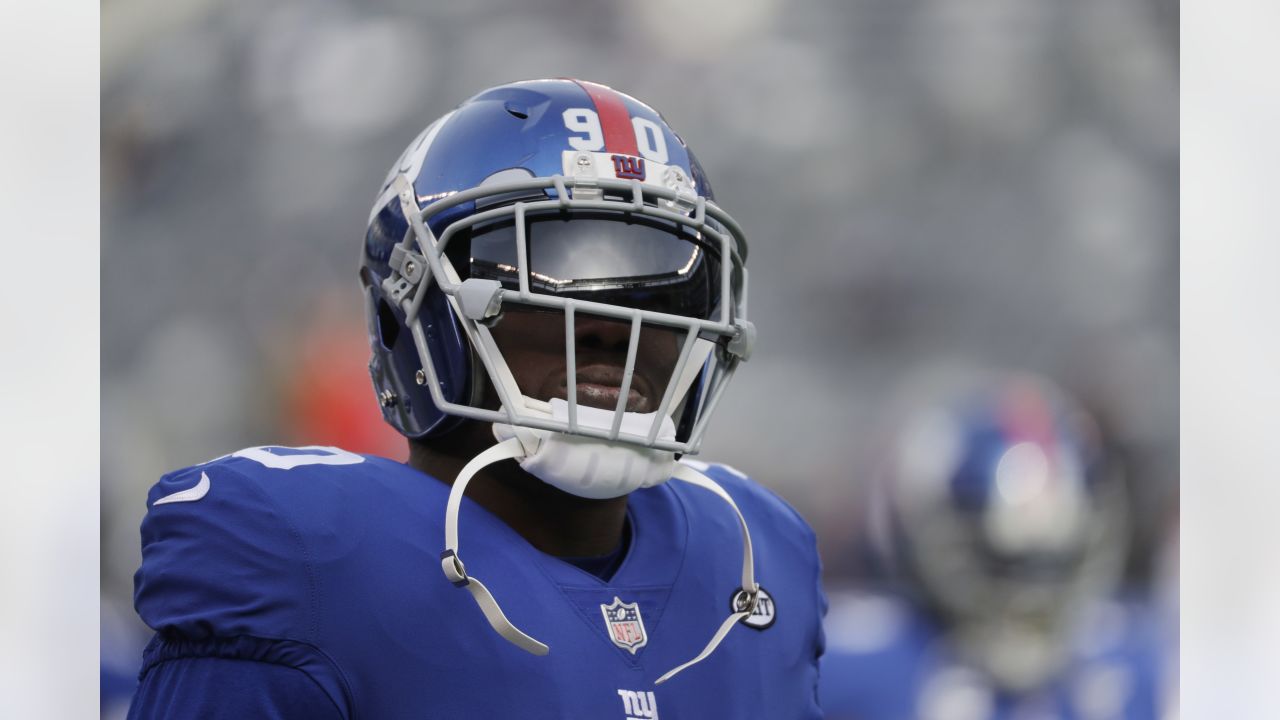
point(625, 627)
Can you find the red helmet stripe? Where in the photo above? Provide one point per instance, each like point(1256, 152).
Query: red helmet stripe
point(1026, 416)
point(615, 120)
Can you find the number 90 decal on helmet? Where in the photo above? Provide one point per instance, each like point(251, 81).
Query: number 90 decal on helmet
point(550, 196)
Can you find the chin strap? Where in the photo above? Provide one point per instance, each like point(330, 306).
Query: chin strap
point(452, 565)
point(744, 601)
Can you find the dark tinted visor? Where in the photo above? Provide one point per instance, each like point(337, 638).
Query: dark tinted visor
point(616, 258)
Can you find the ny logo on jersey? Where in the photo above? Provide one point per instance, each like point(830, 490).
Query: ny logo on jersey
point(639, 705)
point(624, 624)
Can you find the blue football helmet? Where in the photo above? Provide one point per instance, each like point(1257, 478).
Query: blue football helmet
point(997, 511)
point(558, 195)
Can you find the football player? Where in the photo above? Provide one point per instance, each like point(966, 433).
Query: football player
point(1002, 535)
point(555, 305)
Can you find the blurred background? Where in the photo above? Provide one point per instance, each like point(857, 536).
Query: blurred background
point(924, 184)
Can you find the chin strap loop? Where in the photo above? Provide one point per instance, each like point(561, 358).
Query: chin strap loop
point(744, 602)
point(451, 563)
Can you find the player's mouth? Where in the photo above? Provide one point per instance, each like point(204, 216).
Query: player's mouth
point(600, 385)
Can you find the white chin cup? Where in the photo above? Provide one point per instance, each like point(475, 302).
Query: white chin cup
point(590, 467)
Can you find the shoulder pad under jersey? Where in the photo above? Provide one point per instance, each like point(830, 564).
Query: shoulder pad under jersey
point(222, 550)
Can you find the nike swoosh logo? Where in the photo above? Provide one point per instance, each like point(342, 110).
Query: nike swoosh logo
point(189, 495)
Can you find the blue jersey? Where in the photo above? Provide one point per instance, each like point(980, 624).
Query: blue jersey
point(307, 584)
point(888, 661)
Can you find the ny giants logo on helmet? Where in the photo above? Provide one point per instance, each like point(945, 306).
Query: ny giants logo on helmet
point(627, 167)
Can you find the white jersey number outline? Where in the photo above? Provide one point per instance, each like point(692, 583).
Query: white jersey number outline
point(321, 455)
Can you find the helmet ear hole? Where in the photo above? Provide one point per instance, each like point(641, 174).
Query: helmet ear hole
point(388, 326)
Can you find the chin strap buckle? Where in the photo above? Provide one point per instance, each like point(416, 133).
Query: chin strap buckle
point(746, 601)
point(454, 571)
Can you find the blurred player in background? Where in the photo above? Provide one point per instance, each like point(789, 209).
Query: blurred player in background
point(999, 531)
point(555, 305)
